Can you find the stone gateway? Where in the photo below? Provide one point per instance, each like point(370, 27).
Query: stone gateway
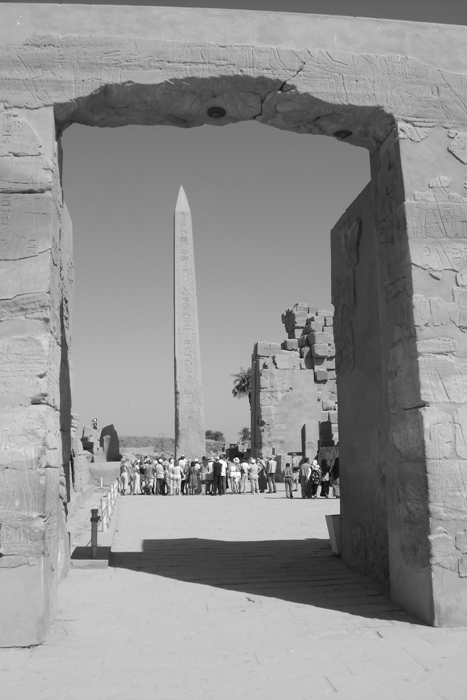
point(399, 258)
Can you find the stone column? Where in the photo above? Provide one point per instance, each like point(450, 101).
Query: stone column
point(33, 319)
point(419, 181)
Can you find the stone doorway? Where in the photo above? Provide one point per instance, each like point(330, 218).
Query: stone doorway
point(398, 92)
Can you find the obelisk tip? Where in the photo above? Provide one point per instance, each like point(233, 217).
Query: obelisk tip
point(182, 201)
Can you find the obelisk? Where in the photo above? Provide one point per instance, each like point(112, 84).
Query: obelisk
point(189, 408)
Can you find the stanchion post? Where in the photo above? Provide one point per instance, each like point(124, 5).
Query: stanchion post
point(94, 523)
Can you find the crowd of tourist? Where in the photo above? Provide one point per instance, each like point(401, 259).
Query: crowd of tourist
point(217, 475)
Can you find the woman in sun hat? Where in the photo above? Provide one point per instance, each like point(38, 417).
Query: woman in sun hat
point(234, 475)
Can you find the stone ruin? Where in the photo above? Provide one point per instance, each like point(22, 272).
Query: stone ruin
point(294, 391)
point(79, 460)
point(399, 262)
point(109, 444)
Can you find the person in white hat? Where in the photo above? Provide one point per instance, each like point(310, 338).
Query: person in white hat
point(254, 474)
point(234, 475)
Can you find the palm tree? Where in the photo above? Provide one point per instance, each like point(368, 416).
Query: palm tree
point(244, 434)
point(242, 384)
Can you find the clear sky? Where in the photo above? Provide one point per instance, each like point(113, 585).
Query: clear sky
point(263, 202)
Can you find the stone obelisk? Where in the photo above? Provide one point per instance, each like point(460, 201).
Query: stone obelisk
point(189, 408)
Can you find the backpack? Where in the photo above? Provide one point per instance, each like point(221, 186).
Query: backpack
point(315, 476)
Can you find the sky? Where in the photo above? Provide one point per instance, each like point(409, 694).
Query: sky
point(263, 203)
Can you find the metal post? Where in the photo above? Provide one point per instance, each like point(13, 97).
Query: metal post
point(94, 523)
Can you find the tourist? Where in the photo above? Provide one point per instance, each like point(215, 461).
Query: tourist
point(168, 477)
point(296, 474)
point(262, 474)
point(184, 466)
point(124, 477)
point(305, 471)
point(217, 481)
point(203, 470)
point(244, 472)
point(315, 478)
point(335, 478)
point(175, 474)
point(288, 480)
point(209, 477)
point(148, 476)
point(253, 474)
point(271, 466)
point(325, 479)
point(223, 461)
point(160, 477)
point(234, 475)
point(135, 481)
point(192, 477)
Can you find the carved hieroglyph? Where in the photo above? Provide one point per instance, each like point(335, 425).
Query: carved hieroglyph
point(189, 408)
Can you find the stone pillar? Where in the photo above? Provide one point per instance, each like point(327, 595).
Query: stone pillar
point(189, 405)
point(33, 317)
point(419, 177)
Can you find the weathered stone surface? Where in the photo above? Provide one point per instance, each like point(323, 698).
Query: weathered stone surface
point(109, 444)
point(286, 360)
point(398, 90)
point(321, 375)
point(320, 338)
point(189, 406)
point(265, 349)
point(320, 350)
point(290, 344)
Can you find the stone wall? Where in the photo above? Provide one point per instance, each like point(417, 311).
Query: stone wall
point(36, 277)
point(397, 89)
point(362, 405)
point(294, 392)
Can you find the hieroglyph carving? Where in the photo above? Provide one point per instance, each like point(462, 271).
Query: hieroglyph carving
point(189, 408)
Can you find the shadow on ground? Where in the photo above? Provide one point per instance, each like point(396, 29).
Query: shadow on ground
point(298, 571)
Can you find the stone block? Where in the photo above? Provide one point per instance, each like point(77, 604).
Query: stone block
point(286, 360)
point(331, 363)
point(320, 350)
point(26, 174)
point(333, 417)
point(29, 225)
point(315, 326)
point(423, 432)
point(461, 541)
point(28, 132)
point(443, 378)
point(321, 375)
point(29, 365)
point(320, 338)
point(323, 312)
point(328, 404)
point(329, 321)
point(332, 374)
point(324, 416)
point(331, 350)
point(262, 349)
point(437, 346)
point(294, 333)
point(463, 566)
point(290, 344)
